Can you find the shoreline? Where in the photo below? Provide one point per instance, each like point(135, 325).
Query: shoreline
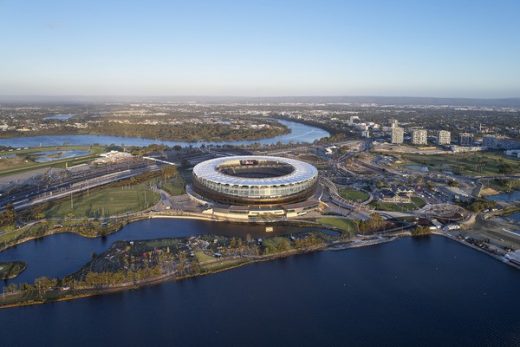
point(152, 215)
point(359, 242)
point(467, 244)
point(163, 278)
point(340, 244)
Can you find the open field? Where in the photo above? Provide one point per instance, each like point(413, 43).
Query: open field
point(353, 194)
point(416, 203)
point(469, 164)
point(346, 225)
point(23, 160)
point(105, 202)
point(203, 257)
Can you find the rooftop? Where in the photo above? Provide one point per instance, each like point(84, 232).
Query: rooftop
point(209, 170)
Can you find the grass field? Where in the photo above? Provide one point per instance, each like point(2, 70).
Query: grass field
point(353, 194)
point(222, 265)
point(417, 203)
point(22, 160)
point(202, 257)
point(469, 164)
point(346, 225)
point(174, 186)
point(105, 202)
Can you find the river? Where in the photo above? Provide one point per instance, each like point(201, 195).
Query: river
point(506, 197)
point(300, 133)
point(429, 291)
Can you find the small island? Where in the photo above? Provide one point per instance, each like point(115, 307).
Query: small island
point(133, 264)
point(10, 270)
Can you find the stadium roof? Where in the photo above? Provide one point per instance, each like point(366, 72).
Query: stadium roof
point(302, 171)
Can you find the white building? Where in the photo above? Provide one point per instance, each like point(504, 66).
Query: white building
point(443, 137)
point(420, 137)
point(112, 157)
point(397, 135)
point(461, 149)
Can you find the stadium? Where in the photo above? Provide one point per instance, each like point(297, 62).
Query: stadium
point(255, 180)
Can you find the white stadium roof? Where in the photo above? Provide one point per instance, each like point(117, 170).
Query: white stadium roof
point(302, 171)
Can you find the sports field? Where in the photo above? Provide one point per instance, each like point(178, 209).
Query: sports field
point(353, 194)
point(105, 202)
point(416, 204)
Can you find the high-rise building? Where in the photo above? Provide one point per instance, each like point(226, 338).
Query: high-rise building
point(397, 135)
point(466, 139)
point(443, 137)
point(394, 123)
point(420, 137)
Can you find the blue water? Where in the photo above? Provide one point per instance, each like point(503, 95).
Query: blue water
point(47, 156)
point(514, 217)
point(412, 292)
point(300, 133)
point(59, 117)
point(507, 197)
point(62, 254)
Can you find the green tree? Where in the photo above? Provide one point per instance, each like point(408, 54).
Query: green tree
point(8, 217)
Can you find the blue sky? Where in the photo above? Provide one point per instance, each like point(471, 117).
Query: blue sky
point(442, 48)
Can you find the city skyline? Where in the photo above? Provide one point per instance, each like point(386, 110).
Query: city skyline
point(467, 49)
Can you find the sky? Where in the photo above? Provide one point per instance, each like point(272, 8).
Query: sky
point(436, 48)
